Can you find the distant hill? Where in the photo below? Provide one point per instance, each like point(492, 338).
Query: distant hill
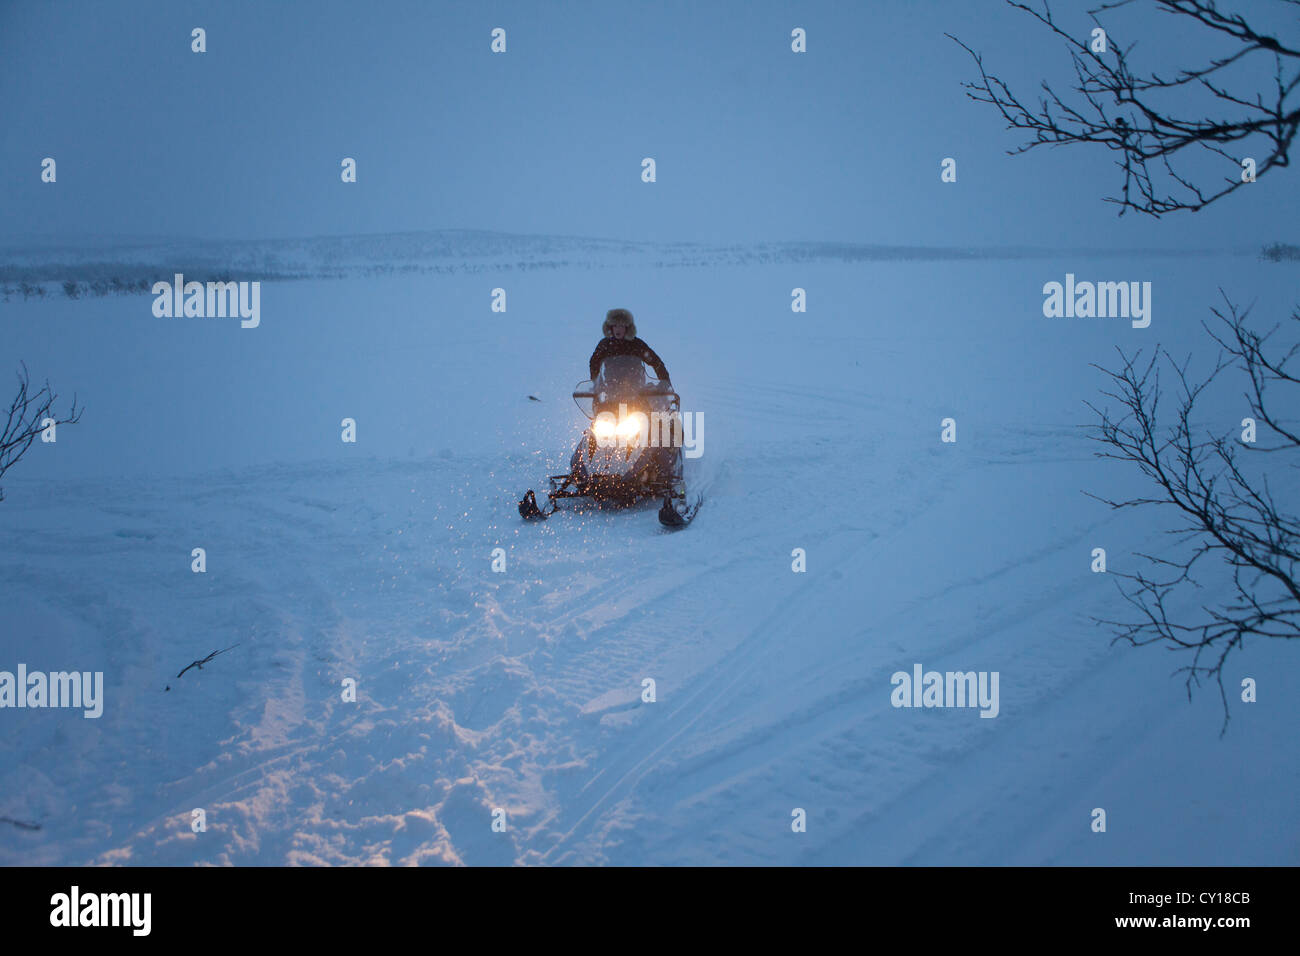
point(100, 265)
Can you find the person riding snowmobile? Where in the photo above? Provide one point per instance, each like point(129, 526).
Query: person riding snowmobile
point(630, 469)
point(620, 339)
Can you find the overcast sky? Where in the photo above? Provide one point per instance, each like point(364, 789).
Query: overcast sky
point(751, 140)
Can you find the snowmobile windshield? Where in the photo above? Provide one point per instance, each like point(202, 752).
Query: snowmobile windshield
point(621, 375)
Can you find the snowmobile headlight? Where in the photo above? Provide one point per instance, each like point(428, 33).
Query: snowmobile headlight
point(604, 426)
point(632, 426)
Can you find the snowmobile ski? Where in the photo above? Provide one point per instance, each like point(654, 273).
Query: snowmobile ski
point(528, 507)
point(675, 515)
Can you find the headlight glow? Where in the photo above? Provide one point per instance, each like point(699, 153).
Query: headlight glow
point(630, 427)
point(627, 430)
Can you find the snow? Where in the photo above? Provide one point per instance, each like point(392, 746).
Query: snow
point(523, 690)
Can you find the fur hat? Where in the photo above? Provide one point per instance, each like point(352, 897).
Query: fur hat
point(619, 315)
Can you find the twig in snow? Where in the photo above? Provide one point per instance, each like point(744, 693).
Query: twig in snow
point(199, 664)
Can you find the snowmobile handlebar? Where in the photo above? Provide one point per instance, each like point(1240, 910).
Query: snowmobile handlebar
point(663, 391)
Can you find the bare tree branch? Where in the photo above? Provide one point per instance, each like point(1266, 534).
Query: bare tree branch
point(1227, 512)
point(1113, 106)
point(28, 415)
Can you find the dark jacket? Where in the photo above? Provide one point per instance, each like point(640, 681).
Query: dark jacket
point(611, 346)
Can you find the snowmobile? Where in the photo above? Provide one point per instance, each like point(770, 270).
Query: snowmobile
point(632, 450)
